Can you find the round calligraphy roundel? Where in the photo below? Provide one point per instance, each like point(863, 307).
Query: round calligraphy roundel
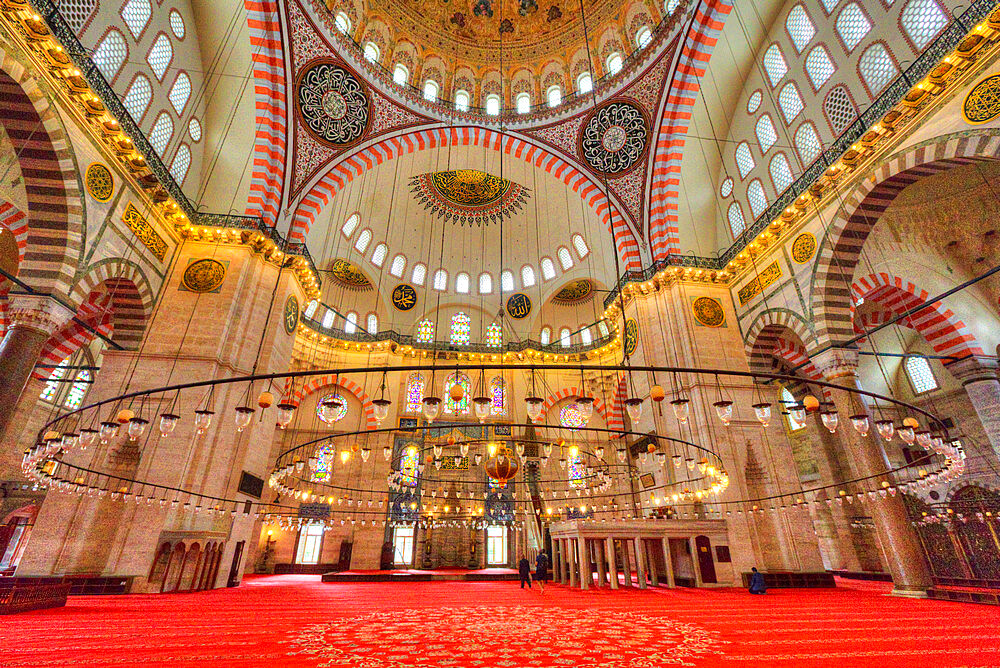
point(404, 297)
point(291, 314)
point(631, 339)
point(332, 103)
point(518, 306)
point(615, 137)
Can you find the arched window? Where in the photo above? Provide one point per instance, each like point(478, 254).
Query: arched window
point(461, 100)
point(137, 97)
point(554, 96)
point(614, 62)
point(328, 319)
point(431, 90)
point(819, 66)
point(415, 389)
point(800, 27)
point(852, 25)
point(177, 24)
point(774, 64)
point(372, 52)
point(565, 259)
point(523, 102)
point(527, 276)
point(337, 399)
point(425, 331)
point(194, 128)
point(582, 250)
point(351, 323)
point(398, 266)
point(807, 143)
point(372, 324)
point(311, 309)
point(790, 102)
point(670, 6)
point(643, 36)
point(350, 225)
point(548, 269)
point(494, 335)
point(736, 222)
point(441, 280)
point(876, 68)
point(766, 134)
point(788, 400)
point(365, 238)
point(378, 255)
point(419, 273)
point(565, 337)
point(110, 54)
point(828, 5)
point(585, 337)
point(574, 473)
point(753, 102)
point(462, 283)
point(922, 20)
point(77, 14)
point(160, 55)
point(584, 83)
point(485, 284)
point(507, 280)
point(493, 105)
point(409, 469)
point(59, 392)
point(461, 324)
point(180, 92)
point(602, 327)
point(162, 131)
point(781, 173)
point(498, 396)
point(726, 189)
point(400, 74)
point(182, 161)
point(460, 407)
point(545, 337)
point(136, 14)
point(839, 109)
point(744, 159)
point(918, 370)
point(757, 198)
point(342, 22)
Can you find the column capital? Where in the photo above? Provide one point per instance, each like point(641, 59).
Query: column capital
point(974, 368)
point(38, 312)
point(836, 363)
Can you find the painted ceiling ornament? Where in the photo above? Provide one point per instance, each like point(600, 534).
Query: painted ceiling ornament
point(615, 137)
point(708, 312)
point(574, 291)
point(468, 196)
point(204, 275)
point(99, 181)
point(803, 248)
point(982, 104)
point(332, 103)
point(349, 275)
point(518, 306)
point(404, 297)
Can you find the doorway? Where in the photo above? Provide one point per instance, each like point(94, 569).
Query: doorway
point(705, 562)
point(234, 570)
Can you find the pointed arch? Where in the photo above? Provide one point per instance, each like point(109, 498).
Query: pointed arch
point(332, 380)
point(569, 393)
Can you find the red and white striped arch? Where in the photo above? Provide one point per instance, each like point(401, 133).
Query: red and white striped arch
point(939, 326)
point(98, 314)
point(320, 195)
point(795, 356)
point(572, 393)
point(269, 152)
point(331, 380)
point(696, 49)
point(14, 220)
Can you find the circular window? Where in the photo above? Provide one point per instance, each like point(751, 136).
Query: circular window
point(726, 189)
point(194, 129)
point(177, 24)
point(340, 413)
point(753, 104)
point(571, 417)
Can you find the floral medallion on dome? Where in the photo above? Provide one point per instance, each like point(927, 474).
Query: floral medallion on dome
point(574, 291)
point(332, 103)
point(349, 275)
point(615, 137)
point(468, 195)
point(708, 312)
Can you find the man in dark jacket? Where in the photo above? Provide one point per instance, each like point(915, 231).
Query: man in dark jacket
point(524, 569)
point(757, 582)
point(541, 570)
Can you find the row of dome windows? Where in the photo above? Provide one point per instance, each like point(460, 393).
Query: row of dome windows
point(462, 280)
point(921, 21)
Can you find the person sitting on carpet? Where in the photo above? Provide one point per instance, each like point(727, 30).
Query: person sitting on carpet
point(757, 582)
point(524, 569)
point(541, 570)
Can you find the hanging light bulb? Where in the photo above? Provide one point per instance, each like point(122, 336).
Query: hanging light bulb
point(519, 448)
point(562, 463)
point(585, 406)
point(313, 463)
point(243, 416)
point(70, 439)
point(88, 437)
point(464, 449)
point(763, 413)
point(724, 409)
point(633, 405)
point(108, 431)
point(478, 458)
point(381, 407)
point(136, 427)
point(599, 452)
point(547, 449)
point(482, 407)
point(830, 420)
point(621, 452)
point(702, 465)
point(533, 406)
point(431, 407)
point(885, 429)
point(682, 408)
point(285, 413)
point(168, 421)
point(203, 420)
point(907, 434)
point(345, 455)
point(861, 423)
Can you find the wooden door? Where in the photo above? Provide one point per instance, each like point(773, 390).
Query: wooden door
point(705, 563)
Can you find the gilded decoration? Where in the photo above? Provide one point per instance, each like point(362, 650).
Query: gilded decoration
point(349, 275)
point(404, 297)
point(574, 291)
point(518, 306)
point(631, 338)
point(456, 463)
point(100, 182)
point(982, 104)
point(769, 275)
point(291, 314)
point(204, 275)
point(468, 196)
point(803, 248)
point(615, 137)
point(708, 312)
point(145, 232)
point(332, 103)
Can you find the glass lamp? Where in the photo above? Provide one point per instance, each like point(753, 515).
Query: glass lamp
point(137, 427)
point(830, 420)
point(724, 409)
point(243, 416)
point(861, 423)
point(482, 405)
point(203, 420)
point(431, 407)
point(88, 437)
point(885, 429)
point(168, 421)
point(907, 434)
point(798, 413)
point(633, 405)
point(381, 407)
point(682, 408)
point(621, 452)
point(108, 431)
point(923, 438)
point(285, 413)
point(533, 406)
point(329, 409)
point(585, 406)
point(763, 413)
point(599, 452)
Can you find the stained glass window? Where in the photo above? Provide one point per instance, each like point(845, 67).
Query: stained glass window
point(311, 308)
point(372, 326)
point(324, 463)
point(414, 393)
point(494, 335)
point(498, 395)
point(585, 337)
point(460, 407)
point(351, 322)
point(74, 394)
point(409, 466)
point(52, 386)
point(341, 412)
point(571, 417)
point(564, 337)
point(425, 331)
point(576, 472)
point(460, 326)
point(546, 336)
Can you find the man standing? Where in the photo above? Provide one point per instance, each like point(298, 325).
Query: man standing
point(541, 570)
point(524, 569)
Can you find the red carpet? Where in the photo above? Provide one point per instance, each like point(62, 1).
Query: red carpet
point(294, 620)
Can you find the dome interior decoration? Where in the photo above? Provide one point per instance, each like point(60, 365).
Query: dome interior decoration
point(468, 196)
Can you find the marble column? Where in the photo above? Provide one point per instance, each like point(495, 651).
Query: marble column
point(567, 560)
point(640, 567)
point(652, 567)
point(695, 565)
point(586, 577)
point(979, 378)
point(626, 562)
point(668, 562)
point(602, 572)
point(574, 558)
point(609, 552)
point(899, 540)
